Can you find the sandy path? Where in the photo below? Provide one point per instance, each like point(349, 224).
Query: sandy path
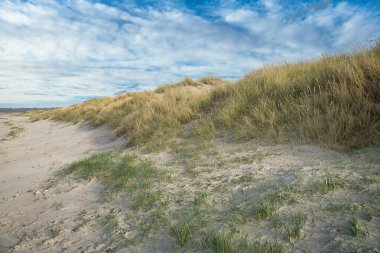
point(29, 211)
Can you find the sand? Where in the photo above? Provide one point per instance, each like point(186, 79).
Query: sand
point(42, 211)
point(29, 159)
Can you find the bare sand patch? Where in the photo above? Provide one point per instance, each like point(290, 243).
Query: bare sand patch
point(29, 209)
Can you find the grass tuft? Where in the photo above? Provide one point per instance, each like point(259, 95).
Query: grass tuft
point(265, 209)
point(182, 232)
point(292, 225)
point(219, 241)
point(354, 224)
point(324, 184)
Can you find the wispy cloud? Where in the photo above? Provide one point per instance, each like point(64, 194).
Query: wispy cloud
point(62, 52)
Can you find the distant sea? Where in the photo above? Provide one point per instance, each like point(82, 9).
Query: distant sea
point(23, 109)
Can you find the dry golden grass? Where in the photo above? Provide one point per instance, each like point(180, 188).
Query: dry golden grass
point(143, 116)
point(334, 100)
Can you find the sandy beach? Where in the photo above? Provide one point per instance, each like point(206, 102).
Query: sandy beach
point(28, 159)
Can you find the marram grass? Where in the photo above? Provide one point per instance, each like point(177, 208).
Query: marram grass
point(333, 101)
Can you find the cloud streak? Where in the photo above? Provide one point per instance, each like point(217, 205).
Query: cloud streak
point(61, 52)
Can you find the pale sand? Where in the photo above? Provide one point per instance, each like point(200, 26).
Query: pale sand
point(27, 161)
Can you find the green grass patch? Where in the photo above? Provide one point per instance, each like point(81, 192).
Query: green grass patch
point(123, 172)
point(111, 220)
point(223, 241)
point(265, 209)
point(292, 225)
point(324, 184)
point(219, 241)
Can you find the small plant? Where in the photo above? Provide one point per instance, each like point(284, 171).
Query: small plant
point(156, 219)
point(219, 241)
point(265, 209)
point(111, 220)
point(283, 196)
point(27, 235)
point(200, 199)
point(354, 224)
point(58, 205)
point(237, 214)
point(147, 199)
point(329, 183)
point(367, 212)
point(106, 197)
point(336, 207)
point(24, 236)
point(182, 232)
point(55, 230)
point(324, 185)
point(267, 247)
point(294, 226)
point(244, 179)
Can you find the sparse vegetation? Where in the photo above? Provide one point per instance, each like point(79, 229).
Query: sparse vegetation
point(111, 220)
point(367, 212)
point(123, 172)
point(324, 185)
point(56, 230)
point(219, 241)
point(14, 131)
point(27, 235)
point(58, 205)
point(292, 225)
point(354, 224)
point(267, 247)
point(265, 209)
point(182, 232)
point(157, 218)
point(146, 199)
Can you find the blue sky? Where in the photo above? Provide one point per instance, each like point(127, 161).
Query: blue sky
point(56, 53)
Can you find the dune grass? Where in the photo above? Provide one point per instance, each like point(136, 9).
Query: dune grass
point(333, 101)
point(143, 116)
point(14, 131)
point(123, 173)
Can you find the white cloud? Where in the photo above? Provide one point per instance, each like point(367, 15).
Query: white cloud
point(14, 17)
point(66, 50)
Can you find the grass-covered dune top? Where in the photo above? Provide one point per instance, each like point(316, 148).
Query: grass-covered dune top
point(334, 100)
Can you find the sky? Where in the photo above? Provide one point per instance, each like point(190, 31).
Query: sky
point(61, 52)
